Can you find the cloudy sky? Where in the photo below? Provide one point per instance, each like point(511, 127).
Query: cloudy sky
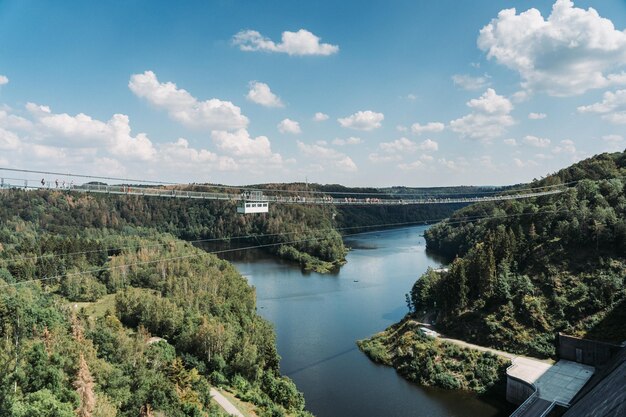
point(416, 93)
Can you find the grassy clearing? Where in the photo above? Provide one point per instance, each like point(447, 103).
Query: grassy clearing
point(97, 308)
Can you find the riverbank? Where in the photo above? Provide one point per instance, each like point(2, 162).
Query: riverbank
point(431, 361)
point(319, 317)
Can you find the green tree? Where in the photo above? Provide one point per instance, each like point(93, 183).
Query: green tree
point(41, 404)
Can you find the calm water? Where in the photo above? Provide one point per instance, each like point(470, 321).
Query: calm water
point(318, 318)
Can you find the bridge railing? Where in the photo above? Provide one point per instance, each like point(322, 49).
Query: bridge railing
point(280, 199)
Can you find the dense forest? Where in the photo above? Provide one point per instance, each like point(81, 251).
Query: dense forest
point(432, 362)
point(520, 272)
point(106, 309)
point(357, 218)
point(535, 267)
point(302, 233)
point(143, 329)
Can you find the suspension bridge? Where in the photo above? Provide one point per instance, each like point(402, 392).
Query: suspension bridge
point(257, 199)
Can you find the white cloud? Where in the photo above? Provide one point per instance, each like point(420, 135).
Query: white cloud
point(11, 121)
point(431, 127)
point(537, 116)
point(319, 151)
point(510, 142)
point(489, 119)
point(38, 110)
point(180, 155)
point(404, 145)
point(346, 164)
point(612, 107)
point(289, 126)
point(467, 82)
point(486, 162)
point(349, 141)
point(411, 166)
point(401, 128)
point(180, 151)
point(565, 146)
point(618, 118)
point(48, 153)
point(3, 80)
point(536, 142)
point(376, 157)
point(261, 93)
point(362, 120)
point(523, 164)
point(613, 139)
point(83, 142)
point(9, 141)
point(327, 155)
point(184, 108)
point(574, 50)
point(411, 97)
point(239, 143)
point(301, 42)
point(82, 131)
point(320, 117)
point(490, 102)
point(453, 165)
point(428, 146)
point(520, 96)
point(543, 156)
point(401, 145)
point(610, 102)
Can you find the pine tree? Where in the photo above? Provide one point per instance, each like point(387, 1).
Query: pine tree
point(463, 287)
point(47, 340)
point(84, 388)
point(77, 328)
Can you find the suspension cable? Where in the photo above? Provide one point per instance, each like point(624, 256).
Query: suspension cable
point(109, 268)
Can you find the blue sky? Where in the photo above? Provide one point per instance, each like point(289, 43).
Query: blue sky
point(416, 93)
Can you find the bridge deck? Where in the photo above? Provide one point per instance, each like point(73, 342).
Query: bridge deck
point(171, 192)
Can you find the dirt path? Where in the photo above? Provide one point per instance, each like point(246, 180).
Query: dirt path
point(465, 344)
point(225, 404)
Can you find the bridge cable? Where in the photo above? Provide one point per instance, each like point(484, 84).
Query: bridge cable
point(241, 249)
point(246, 188)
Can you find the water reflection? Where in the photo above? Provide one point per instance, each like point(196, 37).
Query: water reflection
point(318, 318)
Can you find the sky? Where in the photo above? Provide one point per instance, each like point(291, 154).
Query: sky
point(375, 93)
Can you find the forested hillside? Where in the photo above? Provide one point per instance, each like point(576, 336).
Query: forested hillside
point(88, 280)
point(143, 329)
point(307, 231)
point(356, 218)
point(523, 272)
point(535, 267)
point(103, 309)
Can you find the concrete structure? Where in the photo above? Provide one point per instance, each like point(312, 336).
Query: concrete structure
point(538, 386)
point(589, 352)
point(605, 394)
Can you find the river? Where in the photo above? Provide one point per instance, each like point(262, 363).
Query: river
point(319, 317)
